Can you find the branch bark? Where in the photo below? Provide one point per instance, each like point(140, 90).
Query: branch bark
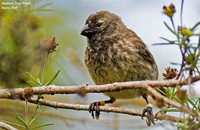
point(83, 89)
point(159, 116)
point(6, 126)
point(181, 107)
point(26, 93)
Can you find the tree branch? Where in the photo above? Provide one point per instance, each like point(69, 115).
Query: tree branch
point(83, 89)
point(6, 126)
point(182, 108)
point(159, 116)
point(26, 93)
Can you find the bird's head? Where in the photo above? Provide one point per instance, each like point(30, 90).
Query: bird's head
point(101, 23)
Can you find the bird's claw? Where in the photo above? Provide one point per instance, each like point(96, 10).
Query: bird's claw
point(148, 112)
point(94, 110)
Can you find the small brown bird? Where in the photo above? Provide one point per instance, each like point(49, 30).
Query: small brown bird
point(114, 53)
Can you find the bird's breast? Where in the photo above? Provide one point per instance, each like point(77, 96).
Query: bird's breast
point(108, 64)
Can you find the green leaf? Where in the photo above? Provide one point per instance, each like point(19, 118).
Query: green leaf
point(192, 103)
point(21, 120)
point(54, 77)
point(161, 91)
point(31, 83)
point(195, 26)
point(169, 28)
point(165, 39)
point(42, 125)
point(36, 109)
point(169, 41)
point(39, 82)
point(197, 101)
point(35, 117)
point(31, 77)
point(173, 92)
point(171, 110)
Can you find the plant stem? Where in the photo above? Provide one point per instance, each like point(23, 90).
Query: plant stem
point(44, 66)
point(26, 111)
point(182, 64)
point(172, 21)
point(181, 14)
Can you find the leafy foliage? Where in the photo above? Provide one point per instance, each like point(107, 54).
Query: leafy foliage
point(28, 125)
point(19, 40)
point(34, 81)
point(189, 66)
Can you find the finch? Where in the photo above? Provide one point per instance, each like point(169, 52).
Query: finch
point(115, 53)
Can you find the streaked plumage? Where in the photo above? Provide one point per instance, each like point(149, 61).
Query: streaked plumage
point(114, 53)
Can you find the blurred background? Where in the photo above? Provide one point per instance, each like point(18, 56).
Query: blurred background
point(24, 30)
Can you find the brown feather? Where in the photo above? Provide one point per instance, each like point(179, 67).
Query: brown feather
point(116, 54)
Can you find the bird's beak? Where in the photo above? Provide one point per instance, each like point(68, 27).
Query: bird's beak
point(87, 31)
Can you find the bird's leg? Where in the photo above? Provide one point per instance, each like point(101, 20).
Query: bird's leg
point(94, 107)
point(148, 111)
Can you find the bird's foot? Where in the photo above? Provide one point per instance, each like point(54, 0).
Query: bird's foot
point(148, 112)
point(94, 109)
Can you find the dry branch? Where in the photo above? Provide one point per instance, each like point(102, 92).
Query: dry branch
point(83, 89)
point(5, 126)
point(159, 116)
point(26, 93)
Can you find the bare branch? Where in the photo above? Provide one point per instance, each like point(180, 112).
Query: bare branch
point(5, 126)
point(182, 108)
point(52, 89)
point(26, 93)
point(159, 116)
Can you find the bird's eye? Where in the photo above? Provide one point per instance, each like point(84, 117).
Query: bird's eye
point(99, 23)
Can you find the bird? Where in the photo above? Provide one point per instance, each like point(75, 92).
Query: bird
point(114, 53)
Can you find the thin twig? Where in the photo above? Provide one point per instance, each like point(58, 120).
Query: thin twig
point(26, 111)
point(5, 126)
point(182, 63)
point(44, 66)
point(182, 108)
point(79, 107)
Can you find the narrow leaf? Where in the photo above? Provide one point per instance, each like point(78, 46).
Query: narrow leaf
point(54, 77)
point(31, 76)
point(169, 28)
point(42, 125)
point(39, 82)
point(195, 26)
point(156, 44)
point(34, 118)
point(36, 109)
point(171, 110)
point(192, 103)
point(21, 120)
point(170, 41)
point(173, 63)
point(31, 83)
